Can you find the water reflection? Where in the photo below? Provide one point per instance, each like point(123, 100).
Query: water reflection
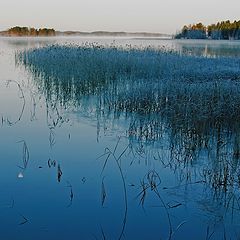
point(179, 111)
point(209, 48)
point(27, 42)
point(173, 172)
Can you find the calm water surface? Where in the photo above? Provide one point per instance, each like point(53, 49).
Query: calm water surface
point(69, 171)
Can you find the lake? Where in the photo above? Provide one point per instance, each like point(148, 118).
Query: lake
point(119, 138)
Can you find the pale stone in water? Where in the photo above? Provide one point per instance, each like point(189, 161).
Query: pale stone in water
point(20, 175)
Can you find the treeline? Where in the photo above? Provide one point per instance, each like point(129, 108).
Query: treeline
point(25, 31)
point(222, 30)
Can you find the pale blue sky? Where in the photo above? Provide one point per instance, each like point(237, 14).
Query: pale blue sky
point(164, 16)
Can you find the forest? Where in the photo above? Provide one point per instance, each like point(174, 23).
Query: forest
point(25, 31)
point(224, 30)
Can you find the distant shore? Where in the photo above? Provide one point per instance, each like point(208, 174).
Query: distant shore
point(95, 34)
point(224, 30)
point(50, 32)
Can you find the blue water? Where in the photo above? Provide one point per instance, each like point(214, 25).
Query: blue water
point(59, 187)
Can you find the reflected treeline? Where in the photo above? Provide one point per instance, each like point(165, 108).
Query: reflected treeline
point(189, 104)
point(22, 43)
point(210, 49)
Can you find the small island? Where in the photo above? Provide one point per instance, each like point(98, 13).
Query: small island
point(29, 31)
point(224, 30)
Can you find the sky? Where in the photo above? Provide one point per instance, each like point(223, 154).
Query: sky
point(163, 16)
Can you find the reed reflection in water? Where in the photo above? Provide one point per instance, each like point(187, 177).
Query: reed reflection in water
point(179, 110)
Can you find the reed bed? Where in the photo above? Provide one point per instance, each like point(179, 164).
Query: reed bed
point(139, 80)
point(189, 105)
point(194, 100)
point(155, 89)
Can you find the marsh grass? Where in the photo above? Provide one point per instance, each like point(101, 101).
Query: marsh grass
point(193, 103)
point(183, 90)
point(188, 105)
point(25, 155)
point(117, 159)
point(103, 193)
point(22, 97)
point(71, 195)
point(59, 173)
point(24, 221)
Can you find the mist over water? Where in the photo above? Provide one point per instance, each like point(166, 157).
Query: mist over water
point(119, 138)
